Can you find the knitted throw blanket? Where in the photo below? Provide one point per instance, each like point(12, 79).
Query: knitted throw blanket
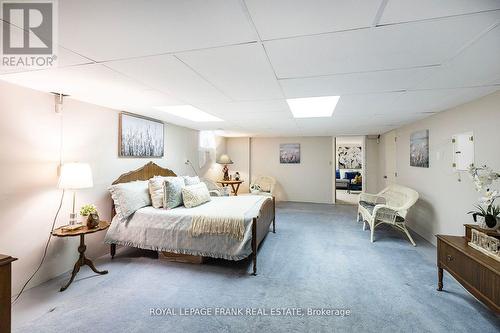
point(231, 226)
point(229, 219)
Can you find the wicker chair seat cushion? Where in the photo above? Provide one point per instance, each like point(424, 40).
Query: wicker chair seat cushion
point(370, 206)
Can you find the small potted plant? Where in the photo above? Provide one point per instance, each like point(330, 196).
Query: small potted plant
point(85, 212)
point(487, 213)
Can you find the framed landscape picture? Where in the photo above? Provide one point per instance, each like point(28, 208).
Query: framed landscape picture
point(140, 136)
point(419, 149)
point(290, 153)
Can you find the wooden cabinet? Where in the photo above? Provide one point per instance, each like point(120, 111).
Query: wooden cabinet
point(5, 292)
point(475, 271)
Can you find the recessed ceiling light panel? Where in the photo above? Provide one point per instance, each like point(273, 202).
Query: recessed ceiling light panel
point(313, 107)
point(188, 112)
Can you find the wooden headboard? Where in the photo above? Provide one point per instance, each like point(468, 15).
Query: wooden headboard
point(145, 173)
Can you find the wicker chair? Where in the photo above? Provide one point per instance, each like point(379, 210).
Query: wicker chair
point(263, 186)
point(390, 206)
point(213, 188)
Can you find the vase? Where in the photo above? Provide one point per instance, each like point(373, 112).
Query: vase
point(488, 222)
point(92, 221)
point(82, 220)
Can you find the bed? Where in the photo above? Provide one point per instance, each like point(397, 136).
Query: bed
point(168, 231)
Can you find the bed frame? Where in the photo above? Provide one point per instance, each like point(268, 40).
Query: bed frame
point(260, 224)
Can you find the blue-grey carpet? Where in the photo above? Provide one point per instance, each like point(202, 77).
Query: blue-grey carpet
point(319, 258)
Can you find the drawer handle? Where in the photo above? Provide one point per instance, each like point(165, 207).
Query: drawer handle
point(449, 258)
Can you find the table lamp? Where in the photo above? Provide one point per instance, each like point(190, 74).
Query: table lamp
point(75, 176)
point(225, 160)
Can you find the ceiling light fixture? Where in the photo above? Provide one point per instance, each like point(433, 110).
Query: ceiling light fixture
point(188, 112)
point(313, 107)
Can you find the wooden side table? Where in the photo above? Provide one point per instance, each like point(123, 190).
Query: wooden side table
point(235, 184)
point(5, 291)
point(82, 260)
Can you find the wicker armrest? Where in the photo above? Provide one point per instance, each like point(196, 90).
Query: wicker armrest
point(372, 198)
point(385, 213)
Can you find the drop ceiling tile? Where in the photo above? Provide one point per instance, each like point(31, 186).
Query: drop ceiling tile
point(118, 29)
point(167, 73)
point(242, 72)
point(260, 124)
point(436, 100)
point(93, 84)
point(285, 18)
point(65, 57)
point(477, 65)
point(365, 105)
point(264, 117)
point(381, 48)
point(224, 109)
point(410, 10)
point(356, 83)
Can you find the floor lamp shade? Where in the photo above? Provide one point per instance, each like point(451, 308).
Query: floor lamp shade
point(75, 176)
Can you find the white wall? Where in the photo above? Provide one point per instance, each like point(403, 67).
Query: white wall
point(309, 181)
point(239, 151)
point(29, 156)
point(372, 165)
point(444, 201)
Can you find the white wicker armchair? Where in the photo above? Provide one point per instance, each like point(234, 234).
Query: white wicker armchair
point(390, 206)
point(213, 188)
point(263, 186)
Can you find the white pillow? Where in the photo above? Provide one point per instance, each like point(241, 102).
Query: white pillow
point(156, 190)
point(129, 197)
point(191, 180)
point(195, 195)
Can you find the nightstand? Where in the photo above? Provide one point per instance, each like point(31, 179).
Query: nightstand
point(82, 260)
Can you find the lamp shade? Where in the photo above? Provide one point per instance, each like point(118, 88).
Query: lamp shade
point(75, 176)
point(224, 159)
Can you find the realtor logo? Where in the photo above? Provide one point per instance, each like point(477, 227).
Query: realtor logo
point(28, 33)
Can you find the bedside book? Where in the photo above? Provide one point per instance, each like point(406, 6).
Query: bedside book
point(71, 227)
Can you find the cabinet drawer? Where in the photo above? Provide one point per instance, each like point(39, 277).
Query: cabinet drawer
point(470, 271)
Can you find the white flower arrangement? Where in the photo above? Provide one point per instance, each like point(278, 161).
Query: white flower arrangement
point(484, 178)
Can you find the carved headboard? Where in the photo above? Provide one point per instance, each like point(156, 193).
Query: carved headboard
point(144, 173)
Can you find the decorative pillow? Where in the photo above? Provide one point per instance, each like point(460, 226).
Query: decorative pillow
point(156, 191)
point(191, 180)
point(173, 192)
point(195, 195)
point(129, 197)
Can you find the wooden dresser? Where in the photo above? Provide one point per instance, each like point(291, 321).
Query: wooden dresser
point(475, 271)
point(5, 292)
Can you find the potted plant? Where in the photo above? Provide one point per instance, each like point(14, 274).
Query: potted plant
point(487, 213)
point(85, 212)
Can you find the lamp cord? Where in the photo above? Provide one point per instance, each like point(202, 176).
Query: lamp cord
point(45, 250)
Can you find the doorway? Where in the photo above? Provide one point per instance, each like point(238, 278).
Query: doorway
point(349, 168)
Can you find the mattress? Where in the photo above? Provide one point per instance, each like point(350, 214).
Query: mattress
point(169, 230)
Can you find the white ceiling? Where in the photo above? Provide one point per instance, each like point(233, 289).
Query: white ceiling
point(391, 61)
